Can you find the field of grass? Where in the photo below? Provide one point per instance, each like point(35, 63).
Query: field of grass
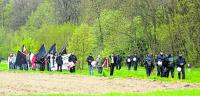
point(192, 76)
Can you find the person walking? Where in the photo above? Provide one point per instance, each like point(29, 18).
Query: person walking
point(73, 58)
point(59, 62)
point(118, 62)
point(128, 62)
point(112, 64)
point(90, 58)
point(180, 63)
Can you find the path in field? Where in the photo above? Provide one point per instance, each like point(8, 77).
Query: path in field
point(27, 83)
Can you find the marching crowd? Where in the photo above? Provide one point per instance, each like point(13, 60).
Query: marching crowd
point(166, 64)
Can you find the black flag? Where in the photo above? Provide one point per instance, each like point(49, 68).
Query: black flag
point(41, 53)
point(52, 50)
point(20, 59)
point(63, 51)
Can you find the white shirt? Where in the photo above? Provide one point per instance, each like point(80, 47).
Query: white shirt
point(112, 59)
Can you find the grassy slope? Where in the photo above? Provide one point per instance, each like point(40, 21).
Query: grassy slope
point(192, 76)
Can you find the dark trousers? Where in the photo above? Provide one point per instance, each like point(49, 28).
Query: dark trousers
point(148, 71)
point(112, 67)
point(42, 67)
point(160, 71)
point(59, 67)
point(129, 65)
point(24, 66)
point(183, 73)
point(135, 65)
point(48, 67)
point(10, 64)
point(118, 66)
point(100, 70)
point(170, 70)
point(72, 70)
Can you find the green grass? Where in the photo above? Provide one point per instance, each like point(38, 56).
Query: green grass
point(190, 92)
point(192, 76)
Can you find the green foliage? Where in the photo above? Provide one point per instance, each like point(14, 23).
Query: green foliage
point(43, 15)
point(134, 26)
point(83, 42)
point(114, 26)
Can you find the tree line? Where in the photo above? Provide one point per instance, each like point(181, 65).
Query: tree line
point(102, 26)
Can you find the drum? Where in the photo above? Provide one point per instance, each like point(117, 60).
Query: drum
point(159, 63)
point(179, 69)
point(134, 59)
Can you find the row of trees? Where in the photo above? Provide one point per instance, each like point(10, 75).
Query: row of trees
point(102, 26)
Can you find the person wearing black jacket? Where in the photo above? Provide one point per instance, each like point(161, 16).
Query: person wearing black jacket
point(90, 58)
point(42, 64)
point(148, 63)
point(160, 64)
point(59, 62)
point(48, 63)
point(112, 64)
point(180, 63)
point(135, 61)
point(128, 62)
point(73, 58)
point(118, 62)
point(170, 63)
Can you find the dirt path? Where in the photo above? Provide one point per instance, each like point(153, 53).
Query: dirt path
point(45, 83)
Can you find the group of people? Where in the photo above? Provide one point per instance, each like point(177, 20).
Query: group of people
point(57, 61)
point(107, 62)
point(165, 64)
point(48, 62)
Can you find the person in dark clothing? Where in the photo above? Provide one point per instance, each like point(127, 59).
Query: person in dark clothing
point(160, 67)
point(180, 63)
point(148, 64)
point(59, 62)
point(135, 61)
point(48, 63)
point(90, 58)
point(73, 58)
point(53, 60)
point(170, 65)
point(113, 63)
point(42, 64)
point(118, 62)
point(128, 62)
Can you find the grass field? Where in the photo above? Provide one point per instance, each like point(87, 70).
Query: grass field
point(193, 76)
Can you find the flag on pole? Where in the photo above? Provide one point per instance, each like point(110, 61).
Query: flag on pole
point(52, 50)
point(63, 51)
point(41, 53)
point(32, 60)
point(24, 50)
point(20, 59)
